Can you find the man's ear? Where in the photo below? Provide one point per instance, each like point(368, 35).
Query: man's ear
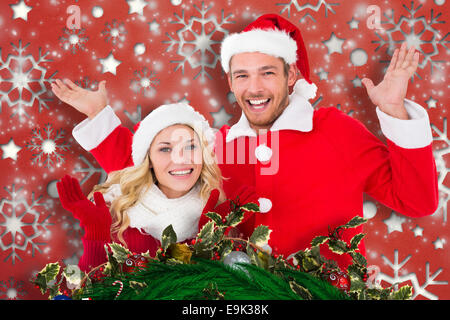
point(230, 82)
point(292, 74)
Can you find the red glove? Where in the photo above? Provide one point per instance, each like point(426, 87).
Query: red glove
point(94, 218)
point(243, 195)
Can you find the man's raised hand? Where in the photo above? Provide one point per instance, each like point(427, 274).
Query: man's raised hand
point(390, 93)
point(88, 102)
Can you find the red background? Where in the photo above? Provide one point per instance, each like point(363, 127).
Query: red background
point(181, 62)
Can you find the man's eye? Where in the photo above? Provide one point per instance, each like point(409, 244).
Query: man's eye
point(268, 73)
point(241, 76)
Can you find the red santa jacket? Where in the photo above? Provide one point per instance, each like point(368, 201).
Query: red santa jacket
point(310, 170)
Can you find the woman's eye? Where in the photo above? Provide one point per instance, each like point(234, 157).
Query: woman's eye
point(191, 147)
point(165, 149)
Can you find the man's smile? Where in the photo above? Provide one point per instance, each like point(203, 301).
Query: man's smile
point(258, 104)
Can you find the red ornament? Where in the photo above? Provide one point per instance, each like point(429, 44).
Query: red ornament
point(340, 280)
point(133, 262)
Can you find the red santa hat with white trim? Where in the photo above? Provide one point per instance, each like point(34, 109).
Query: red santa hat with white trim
point(273, 35)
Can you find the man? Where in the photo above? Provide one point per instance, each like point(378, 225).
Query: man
point(309, 167)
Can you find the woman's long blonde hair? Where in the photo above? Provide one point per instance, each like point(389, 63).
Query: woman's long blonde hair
point(135, 180)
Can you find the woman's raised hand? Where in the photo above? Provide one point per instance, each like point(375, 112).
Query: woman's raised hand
point(95, 218)
point(86, 101)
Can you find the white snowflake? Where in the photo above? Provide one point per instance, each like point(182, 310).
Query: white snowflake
point(298, 7)
point(90, 170)
point(398, 278)
point(114, 32)
point(23, 80)
point(135, 116)
point(12, 289)
point(199, 52)
point(49, 145)
point(21, 223)
point(73, 40)
point(420, 40)
point(441, 168)
point(145, 81)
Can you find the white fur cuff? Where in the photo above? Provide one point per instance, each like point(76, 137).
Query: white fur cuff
point(409, 134)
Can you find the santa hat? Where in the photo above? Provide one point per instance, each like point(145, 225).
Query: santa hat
point(165, 116)
point(273, 35)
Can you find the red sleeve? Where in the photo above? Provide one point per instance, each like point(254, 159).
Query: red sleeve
point(114, 153)
point(403, 179)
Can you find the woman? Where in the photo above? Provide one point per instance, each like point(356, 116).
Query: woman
point(174, 178)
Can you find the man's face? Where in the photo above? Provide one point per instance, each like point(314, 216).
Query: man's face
point(261, 86)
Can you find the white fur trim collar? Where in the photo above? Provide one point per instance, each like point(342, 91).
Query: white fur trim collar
point(154, 212)
point(298, 115)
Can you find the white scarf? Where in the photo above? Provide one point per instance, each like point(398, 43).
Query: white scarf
point(154, 212)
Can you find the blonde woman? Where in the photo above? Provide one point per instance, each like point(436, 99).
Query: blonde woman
point(173, 179)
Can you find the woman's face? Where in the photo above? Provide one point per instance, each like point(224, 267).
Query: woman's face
point(176, 158)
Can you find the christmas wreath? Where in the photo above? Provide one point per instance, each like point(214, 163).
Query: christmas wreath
point(217, 266)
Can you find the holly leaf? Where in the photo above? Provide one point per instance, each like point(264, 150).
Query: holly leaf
point(337, 246)
point(250, 206)
point(355, 222)
point(168, 237)
point(357, 285)
point(137, 286)
point(310, 264)
point(46, 278)
point(211, 292)
point(234, 217)
point(260, 235)
point(354, 243)
point(215, 217)
point(218, 235)
point(404, 293)
point(206, 231)
point(205, 240)
point(225, 247)
point(359, 259)
point(301, 291)
point(112, 266)
point(319, 240)
point(356, 271)
point(50, 271)
point(119, 253)
point(254, 257)
point(378, 294)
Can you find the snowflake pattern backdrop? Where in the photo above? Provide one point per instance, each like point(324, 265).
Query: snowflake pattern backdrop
point(153, 52)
